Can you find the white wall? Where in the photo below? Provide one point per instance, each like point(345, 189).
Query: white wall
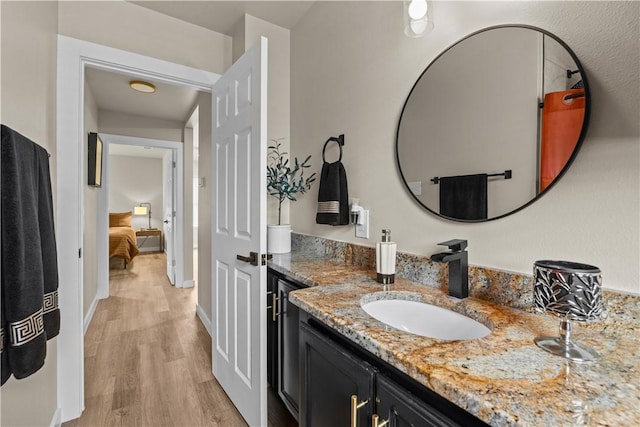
point(351, 70)
point(187, 190)
point(28, 105)
point(117, 123)
point(89, 237)
point(133, 180)
point(133, 28)
point(248, 32)
point(204, 202)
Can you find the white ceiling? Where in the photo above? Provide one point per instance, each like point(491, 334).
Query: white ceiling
point(111, 92)
point(222, 16)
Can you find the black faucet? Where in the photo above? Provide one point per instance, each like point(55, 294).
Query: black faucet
point(458, 266)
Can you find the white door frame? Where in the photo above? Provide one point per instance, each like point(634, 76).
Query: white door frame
point(73, 57)
point(103, 207)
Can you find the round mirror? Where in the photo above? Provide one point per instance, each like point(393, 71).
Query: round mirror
point(492, 123)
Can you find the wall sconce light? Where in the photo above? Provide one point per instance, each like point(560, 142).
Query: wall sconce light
point(417, 18)
point(143, 210)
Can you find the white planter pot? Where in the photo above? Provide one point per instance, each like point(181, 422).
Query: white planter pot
point(279, 239)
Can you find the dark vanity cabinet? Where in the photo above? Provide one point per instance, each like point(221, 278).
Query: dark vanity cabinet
point(343, 385)
point(288, 361)
point(272, 330)
point(337, 387)
point(402, 409)
point(282, 341)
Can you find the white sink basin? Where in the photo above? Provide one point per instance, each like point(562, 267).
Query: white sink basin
point(425, 319)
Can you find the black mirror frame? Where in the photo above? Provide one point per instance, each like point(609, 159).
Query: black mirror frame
point(583, 131)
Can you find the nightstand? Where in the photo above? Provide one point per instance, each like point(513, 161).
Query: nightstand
point(155, 232)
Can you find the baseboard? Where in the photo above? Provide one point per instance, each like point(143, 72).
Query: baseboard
point(89, 316)
point(56, 421)
point(204, 319)
point(188, 283)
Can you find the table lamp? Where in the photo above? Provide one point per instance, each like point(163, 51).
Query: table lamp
point(143, 210)
point(571, 291)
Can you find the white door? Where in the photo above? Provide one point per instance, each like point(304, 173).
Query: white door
point(238, 229)
point(169, 208)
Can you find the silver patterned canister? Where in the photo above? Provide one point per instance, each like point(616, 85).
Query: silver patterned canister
point(568, 289)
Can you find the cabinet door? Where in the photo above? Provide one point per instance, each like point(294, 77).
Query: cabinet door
point(288, 347)
point(403, 409)
point(272, 331)
point(330, 376)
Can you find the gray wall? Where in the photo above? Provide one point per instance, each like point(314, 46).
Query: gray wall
point(133, 28)
point(204, 203)
point(133, 180)
point(352, 69)
point(118, 123)
point(28, 88)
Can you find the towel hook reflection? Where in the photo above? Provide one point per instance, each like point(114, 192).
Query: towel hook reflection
point(571, 73)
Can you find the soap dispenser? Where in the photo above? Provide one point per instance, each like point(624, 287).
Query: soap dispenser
point(386, 259)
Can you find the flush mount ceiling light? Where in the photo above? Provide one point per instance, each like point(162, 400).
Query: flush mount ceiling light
point(141, 86)
point(417, 20)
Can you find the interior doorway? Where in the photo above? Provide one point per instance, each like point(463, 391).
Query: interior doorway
point(173, 241)
point(74, 58)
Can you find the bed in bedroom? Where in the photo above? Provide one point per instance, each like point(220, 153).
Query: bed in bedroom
point(122, 238)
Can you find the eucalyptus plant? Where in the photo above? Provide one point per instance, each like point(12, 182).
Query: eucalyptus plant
point(284, 181)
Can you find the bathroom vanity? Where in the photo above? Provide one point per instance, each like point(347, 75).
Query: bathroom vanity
point(501, 379)
point(282, 338)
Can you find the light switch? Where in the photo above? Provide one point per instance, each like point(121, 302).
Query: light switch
point(362, 227)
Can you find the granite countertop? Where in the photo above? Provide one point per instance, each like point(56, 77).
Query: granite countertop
point(504, 378)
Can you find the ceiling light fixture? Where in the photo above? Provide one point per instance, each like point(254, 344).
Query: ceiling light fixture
point(417, 18)
point(141, 86)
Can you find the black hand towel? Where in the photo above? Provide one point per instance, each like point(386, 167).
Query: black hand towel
point(333, 197)
point(464, 197)
point(29, 279)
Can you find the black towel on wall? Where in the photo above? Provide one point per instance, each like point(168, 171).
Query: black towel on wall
point(29, 311)
point(464, 197)
point(333, 197)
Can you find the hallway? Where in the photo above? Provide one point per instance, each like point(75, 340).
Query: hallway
point(148, 357)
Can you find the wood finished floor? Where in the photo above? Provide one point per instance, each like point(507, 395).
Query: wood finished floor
point(148, 357)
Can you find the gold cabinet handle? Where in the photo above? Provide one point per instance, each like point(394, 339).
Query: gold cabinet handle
point(354, 409)
point(375, 421)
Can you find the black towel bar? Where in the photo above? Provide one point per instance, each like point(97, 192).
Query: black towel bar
point(507, 175)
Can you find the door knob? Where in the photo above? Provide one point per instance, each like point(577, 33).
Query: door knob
point(251, 259)
point(166, 221)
